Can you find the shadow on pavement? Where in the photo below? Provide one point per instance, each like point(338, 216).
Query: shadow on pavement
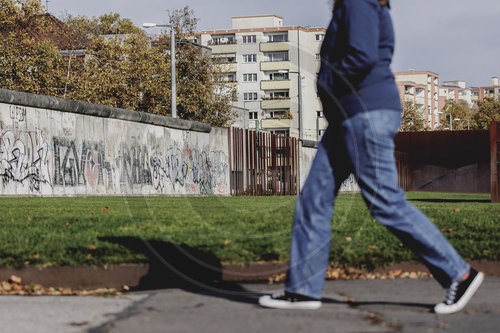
point(356, 304)
point(198, 271)
point(184, 267)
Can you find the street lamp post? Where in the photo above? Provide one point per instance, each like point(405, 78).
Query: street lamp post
point(173, 88)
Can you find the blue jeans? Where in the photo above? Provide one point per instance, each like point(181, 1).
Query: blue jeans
point(362, 145)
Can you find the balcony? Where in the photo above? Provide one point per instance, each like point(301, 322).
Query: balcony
point(275, 85)
point(275, 104)
point(228, 68)
point(276, 123)
point(223, 48)
point(274, 65)
point(274, 46)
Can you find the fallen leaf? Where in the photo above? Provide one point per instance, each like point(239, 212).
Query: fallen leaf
point(15, 279)
point(6, 286)
point(92, 247)
point(457, 210)
point(104, 209)
point(447, 230)
point(348, 239)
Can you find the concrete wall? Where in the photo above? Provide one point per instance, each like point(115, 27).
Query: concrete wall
point(57, 147)
point(307, 153)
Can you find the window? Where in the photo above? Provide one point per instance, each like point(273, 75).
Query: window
point(277, 114)
point(318, 56)
point(249, 77)
point(230, 77)
point(252, 115)
point(249, 58)
point(278, 38)
point(319, 114)
point(278, 56)
point(278, 76)
point(223, 40)
point(252, 96)
point(285, 132)
point(279, 95)
point(319, 37)
point(250, 39)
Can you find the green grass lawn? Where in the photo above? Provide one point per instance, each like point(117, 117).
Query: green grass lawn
point(76, 231)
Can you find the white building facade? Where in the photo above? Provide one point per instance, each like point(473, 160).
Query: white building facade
point(274, 69)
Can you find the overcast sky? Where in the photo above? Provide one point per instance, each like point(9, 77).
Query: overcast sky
point(458, 39)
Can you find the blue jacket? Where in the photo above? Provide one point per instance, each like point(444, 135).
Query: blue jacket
point(356, 54)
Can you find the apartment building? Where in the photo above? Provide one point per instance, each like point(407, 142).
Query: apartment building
point(274, 69)
point(457, 91)
point(492, 91)
point(421, 88)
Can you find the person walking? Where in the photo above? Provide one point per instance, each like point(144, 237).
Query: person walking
point(361, 103)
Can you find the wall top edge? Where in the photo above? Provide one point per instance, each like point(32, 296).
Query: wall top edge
point(72, 106)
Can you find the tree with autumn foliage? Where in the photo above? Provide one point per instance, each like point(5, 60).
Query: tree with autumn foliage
point(412, 119)
point(460, 115)
point(488, 111)
point(29, 61)
point(108, 60)
point(129, 71)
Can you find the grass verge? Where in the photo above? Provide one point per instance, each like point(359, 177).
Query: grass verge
point(77, 231)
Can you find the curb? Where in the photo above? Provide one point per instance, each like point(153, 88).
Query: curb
point(139, 276)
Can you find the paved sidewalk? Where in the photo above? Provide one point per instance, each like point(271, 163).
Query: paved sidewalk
point(401, 305)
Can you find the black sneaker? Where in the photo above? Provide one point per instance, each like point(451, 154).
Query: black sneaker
point(288, 300)
point(460, 293)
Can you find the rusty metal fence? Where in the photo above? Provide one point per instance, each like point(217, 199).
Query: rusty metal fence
point(403, 166)
point(262, 163)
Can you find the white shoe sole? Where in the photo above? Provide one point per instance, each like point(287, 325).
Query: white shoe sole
point(448, 309)
point(268, 302)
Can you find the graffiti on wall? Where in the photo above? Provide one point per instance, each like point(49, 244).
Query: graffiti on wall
point(350, 185)
point(202, 172)
point(133, 165)
point(31, 161)
point(24, 159)
point(83, 164)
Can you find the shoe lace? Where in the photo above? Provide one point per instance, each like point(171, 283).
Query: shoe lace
point(452, 292)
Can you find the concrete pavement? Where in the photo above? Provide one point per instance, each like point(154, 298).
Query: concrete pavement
point(400, 305)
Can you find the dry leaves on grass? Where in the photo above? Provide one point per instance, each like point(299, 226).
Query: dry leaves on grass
point(14, 286)
point(360, 274)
